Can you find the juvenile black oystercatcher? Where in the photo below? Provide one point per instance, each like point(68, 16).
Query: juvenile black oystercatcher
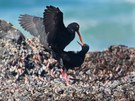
point(72, 59)
point(51, 28)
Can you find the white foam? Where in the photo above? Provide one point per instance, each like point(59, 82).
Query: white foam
point(130, 1)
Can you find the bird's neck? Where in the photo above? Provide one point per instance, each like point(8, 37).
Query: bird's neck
point(82, 53)
point(71, 30)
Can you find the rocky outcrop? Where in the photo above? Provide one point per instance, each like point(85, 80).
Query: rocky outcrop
point(7, 31)
point(26, 72)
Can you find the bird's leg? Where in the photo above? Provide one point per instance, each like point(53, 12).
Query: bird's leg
point(63, 72)
point(61, 63)
point(65, 76)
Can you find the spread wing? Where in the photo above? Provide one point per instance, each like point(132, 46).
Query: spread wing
point(53, 21)
point(32, 24)
point(35, 26)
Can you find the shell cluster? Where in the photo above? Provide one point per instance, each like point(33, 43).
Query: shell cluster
point(29, 73)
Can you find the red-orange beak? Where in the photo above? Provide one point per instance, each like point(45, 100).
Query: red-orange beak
point(80, 37)
point(79, 43)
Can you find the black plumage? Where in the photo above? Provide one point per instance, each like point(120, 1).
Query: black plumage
point(51, 28)
point(72, 59)
point(53, 33)
point(59, 35)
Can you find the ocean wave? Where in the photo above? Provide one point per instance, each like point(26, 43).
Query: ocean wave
point(130, 1)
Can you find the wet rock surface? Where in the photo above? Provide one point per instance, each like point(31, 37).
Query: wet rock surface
point(29, 73)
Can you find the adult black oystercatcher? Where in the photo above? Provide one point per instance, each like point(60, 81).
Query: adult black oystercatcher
point(72, 59)
point(58, 35)
point(53, 32)
point(51, 28)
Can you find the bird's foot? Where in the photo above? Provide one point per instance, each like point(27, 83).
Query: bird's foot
point(65, 76)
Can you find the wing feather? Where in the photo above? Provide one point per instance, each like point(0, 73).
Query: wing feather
point(53, 21)
point(35, 26)
point(32, 24)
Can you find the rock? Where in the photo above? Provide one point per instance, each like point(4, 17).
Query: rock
point(9, 37)
point(29, 73)
point(8, 31)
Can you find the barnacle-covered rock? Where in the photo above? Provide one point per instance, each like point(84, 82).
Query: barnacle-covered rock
point(8, 31)
point(29, 73)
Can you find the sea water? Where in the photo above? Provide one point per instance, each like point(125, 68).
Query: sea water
point(102, 22)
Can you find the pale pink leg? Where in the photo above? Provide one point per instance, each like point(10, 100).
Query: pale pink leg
point(65, 76)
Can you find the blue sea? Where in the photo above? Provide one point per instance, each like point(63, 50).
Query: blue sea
point(102, 22)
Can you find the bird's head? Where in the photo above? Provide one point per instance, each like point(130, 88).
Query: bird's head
point(85, 47)
point(74, 27)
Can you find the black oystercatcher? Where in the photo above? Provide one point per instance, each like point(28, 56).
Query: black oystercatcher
point(58, 35)
point(72, 59)
point(51, 28)
point(54, 34)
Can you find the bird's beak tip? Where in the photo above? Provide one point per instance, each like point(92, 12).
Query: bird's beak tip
point(81, 44)
point(80, 37)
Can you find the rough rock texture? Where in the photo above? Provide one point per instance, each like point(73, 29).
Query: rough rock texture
point(26, 72)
